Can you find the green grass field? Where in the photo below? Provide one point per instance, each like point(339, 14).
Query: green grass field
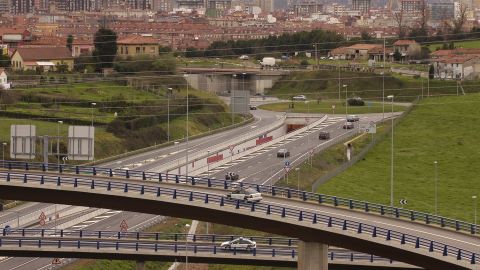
point(439, 129)
point(462, 44)
point(326, 107)
point(369, 86)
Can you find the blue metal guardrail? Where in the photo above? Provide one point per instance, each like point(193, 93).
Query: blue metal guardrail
point(180, 248)
point(283, 212)
point(426, 218)
point(156, 236)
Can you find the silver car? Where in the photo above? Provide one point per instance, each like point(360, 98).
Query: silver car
point(239, 243)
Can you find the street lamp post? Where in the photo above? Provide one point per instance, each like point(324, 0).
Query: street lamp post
point(93, 105)
point(4, 144)
point(346, 100)
point(208, 164)
point(391, 158)
point(436, 186)
point(298, 177)
point(186, 148)
point(232, 102)
point(58, 142)
point(169, 93)
point(178, 150)
point(474, 214)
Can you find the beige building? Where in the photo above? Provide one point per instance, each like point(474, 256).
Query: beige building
point(137, 45)
point(46, 57)
point(409, 49)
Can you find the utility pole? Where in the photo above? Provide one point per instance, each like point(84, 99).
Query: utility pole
point(186, 148)
point(391, 158)
point(169, 93)
point(383, 83)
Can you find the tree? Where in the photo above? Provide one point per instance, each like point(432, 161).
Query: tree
point(4, 60)
point(431, 72)
point(459, 21)
point(69, 42)
point(398, 16)
point(366, 37)
point(397, 56)
point(105, 48)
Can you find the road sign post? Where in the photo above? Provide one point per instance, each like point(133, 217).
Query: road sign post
point(124, 226)
point(56, 261)
point(42, 218)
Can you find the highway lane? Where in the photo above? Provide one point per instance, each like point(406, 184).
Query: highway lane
point(134, 221)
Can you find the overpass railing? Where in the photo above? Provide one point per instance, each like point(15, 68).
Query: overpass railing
point(152, 236)
point(298, 215)
point(275, 191)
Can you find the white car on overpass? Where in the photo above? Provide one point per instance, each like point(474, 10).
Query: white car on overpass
point(239, 244)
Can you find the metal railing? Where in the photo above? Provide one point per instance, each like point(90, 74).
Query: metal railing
point(395, 212)
point(300, 216)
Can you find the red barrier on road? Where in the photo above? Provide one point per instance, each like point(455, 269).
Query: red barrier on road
point(214, 158)
point(263, 140)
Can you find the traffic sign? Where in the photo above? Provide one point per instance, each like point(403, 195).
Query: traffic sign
point(333, 106)
point(403, 201)
point(287, 163)
point(287, 169)
point(42, 218)
point(123, 226)
point(231, 147)
point(56, 261)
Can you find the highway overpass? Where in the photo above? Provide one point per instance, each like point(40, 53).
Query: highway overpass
point(314, 228)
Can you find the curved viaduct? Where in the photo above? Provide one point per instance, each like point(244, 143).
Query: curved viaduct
point(310, 227)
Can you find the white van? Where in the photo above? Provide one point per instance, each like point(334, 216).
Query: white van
point(245, 194)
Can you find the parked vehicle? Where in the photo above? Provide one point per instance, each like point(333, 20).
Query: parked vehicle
point(353, 118)
point(324, 135)
point(300, 97)
point(268, 62)
point(239, 243)
point(348, 125)
point(283, 153)
point(245, 194)
point(244, 57)
point(253, 107)
point(231, 176)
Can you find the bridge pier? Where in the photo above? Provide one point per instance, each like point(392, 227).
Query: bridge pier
point(140, 265)
point(312, 256)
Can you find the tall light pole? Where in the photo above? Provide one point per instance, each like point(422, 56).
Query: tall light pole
point(169, 93)
point(346, 100)
point(232, 102)
point(208, 164)
point(383, 83)
point(435, 163)
point(391, 159)
point(186, 148)
point(58, 142)
point(93, 105)
point(475, 214)
point(178, 151)
point(316, 55)
point(4, 144)
point(298, 177)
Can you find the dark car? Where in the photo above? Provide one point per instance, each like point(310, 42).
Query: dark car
point(253, 107)
point(231, 176)
point(324, 135)
point(283, 153)
point(348, 125)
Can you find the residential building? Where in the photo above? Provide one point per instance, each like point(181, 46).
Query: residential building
point(48, 58)
point(4, 7)
point(14, 36)
point(360, 51)
point(4, 79)
point(457, 67)
point(339, 53)
point(376, 54)
point(361, 5)
point(442, 11)
point(191, 4)
point(82, 47)
point(22, 6)
point(137, 45)
point(307, 7)
point(411, 5)
point(409, 49)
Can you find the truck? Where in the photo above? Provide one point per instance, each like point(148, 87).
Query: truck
point(268, 62)
point(245, 194)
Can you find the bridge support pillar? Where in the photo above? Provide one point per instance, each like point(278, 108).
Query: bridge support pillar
point(312, 256)
point(140, 265)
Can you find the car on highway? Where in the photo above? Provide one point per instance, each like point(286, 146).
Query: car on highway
point(231, 176)
point(239, 244)
point(253, 107)
point(244, 57)
point(245, 194)
point(300, 97)
point(353, 118)
point(348, 125)
point(324, 135)
point(283, 152)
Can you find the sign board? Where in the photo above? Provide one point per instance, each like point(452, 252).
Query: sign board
point(81, 142)
point(231, 147)
point(42, 218)
point(56, 261)
point(369, 128)
point(7, 229)
point(124, 226)
point(287, 163)
point(287, 169)
point(22, 141)
point(239, 101)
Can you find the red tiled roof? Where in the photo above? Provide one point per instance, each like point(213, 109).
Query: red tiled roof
point(403, 42)
point(339, 50)
point(457, 59)
point(139, 40)
point(363, 46)
point(44, 53)
point(379, 50)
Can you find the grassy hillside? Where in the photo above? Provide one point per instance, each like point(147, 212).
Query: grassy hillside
point(462, 44)
point(124, 116)
point(369, 86)
point(439, 129)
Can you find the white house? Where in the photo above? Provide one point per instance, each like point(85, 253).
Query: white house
point(4, 79)
point(457, 67)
